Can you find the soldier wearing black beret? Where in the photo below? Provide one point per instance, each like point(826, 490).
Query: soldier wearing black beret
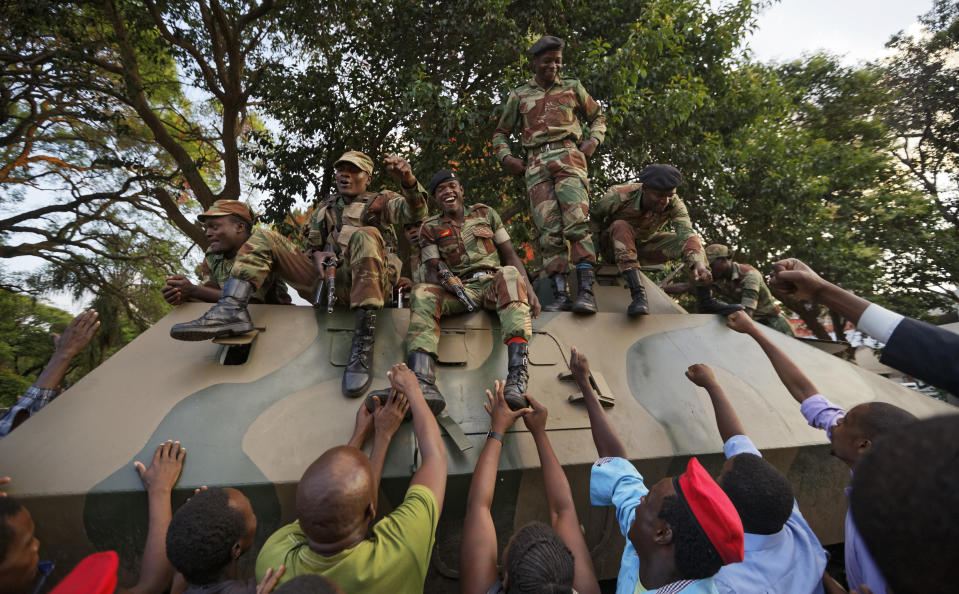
point(631, 218)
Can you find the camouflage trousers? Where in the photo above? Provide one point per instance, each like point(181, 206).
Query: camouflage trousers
point(504, 291)
point(363, 278)
point(558, 188)
point(620, 242)
point(778, 322)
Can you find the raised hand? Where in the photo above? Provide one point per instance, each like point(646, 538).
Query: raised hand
point(535, 420)
point(701, 375)
point(400, 169)
point(165, 468)
point(78, 333)
point(793, 277)
point(502, 415)
point(579, 365)
point(388, 416)
point(740, 322)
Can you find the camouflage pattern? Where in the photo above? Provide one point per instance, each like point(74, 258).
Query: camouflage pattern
point(556, 171)
point(746, 285)
point(503, 292)
point(418, 272)
point(631, 235)
point(469, 250)
point(215, 270)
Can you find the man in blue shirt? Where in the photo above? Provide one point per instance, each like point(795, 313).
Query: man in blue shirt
point(782, 554)
point(679, 533)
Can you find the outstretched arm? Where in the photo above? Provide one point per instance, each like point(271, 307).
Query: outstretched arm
point(726, 419)
point(792, 277)
point(432, 471)
point(607, 442)
point(478, 544)
point(559, 497)
point(791, 376)
point(76, 336)
point(156, 572)
point(387, 418)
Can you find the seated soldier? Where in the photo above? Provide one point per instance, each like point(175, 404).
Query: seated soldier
point(851, 434)
point(782, 553)
point(551, 558)
point(336, 507)
point(354, 225)
point(679, 533)
point(631, 216)
point(743, 283)
point(228, 224)
point(472, 243)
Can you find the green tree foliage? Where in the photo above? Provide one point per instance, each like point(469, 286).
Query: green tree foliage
point(26, 342)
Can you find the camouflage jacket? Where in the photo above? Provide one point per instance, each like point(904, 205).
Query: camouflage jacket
point(334, 220)
point(468, 247)
point(746, 285)
point(625, 202)
point(547, 115)
point(215, 271)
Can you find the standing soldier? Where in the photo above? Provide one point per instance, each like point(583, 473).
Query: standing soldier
point(631, 216)
point(353, 226)
point(471, 243)
point(546, 109)
point(743, 283)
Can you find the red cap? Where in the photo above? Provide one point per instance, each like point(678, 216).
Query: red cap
point(713, 511)
point(97, 574)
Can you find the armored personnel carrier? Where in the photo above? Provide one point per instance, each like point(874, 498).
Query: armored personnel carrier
point(255, 415)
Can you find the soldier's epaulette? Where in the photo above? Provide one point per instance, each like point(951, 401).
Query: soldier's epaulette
point(480, 205)
point(432, 219)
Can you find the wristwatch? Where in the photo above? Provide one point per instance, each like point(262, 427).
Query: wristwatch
point(494, 435)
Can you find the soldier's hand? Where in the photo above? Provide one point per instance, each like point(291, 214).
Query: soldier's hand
point(588, 147)
point(536, 419)
point(514, 165)
point(400, 169)
point(270, 578)
point(78, 333)
point(178, 288)
point(502, 416)
point(387, 418)
point(701, 274)
point(579, 365)
point(740, 322)
point(534, 305)
point(164, 469)
point(404, 284)
point(792, 277)
point(701, 375)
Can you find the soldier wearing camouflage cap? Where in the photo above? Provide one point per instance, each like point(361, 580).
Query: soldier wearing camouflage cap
point(547, 111)
point(228, 226)
point(631, 217)
point(743, 283)
point(473, 244)
point(354, 226)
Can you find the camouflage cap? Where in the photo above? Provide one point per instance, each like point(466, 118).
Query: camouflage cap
point(357, 158)
point(440, 177)
point(546, 43)
point(660, 177)
point(716, 251)
point(221, 208)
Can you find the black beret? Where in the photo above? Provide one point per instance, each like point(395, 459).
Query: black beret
point(547, 43)
point(660, 177)
point(440, 177)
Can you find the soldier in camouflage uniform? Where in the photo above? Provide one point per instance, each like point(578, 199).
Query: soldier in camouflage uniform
point(546, 109)
point(743, 283)
point(354, 226)
point(631, 217)
point(228, 225)
point(473, 244)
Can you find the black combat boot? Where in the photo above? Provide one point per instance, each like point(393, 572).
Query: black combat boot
point(358, 373)
point(707, 304)
point(585, 301)
point(639, 306)
point(517, 375)
point(421, 364)
point(561, 300)
point(229, 317)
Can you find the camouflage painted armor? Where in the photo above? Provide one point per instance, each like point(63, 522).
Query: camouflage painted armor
point(556, 174)
point(469, 250)
point(747, 286)
point(632, 235)
point(215, 270)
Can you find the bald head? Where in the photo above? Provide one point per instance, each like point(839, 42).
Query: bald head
point(335, 497)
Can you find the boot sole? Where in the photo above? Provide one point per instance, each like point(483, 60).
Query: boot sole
point(195, 335)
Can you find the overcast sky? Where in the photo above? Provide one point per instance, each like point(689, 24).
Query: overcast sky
point(857, 30)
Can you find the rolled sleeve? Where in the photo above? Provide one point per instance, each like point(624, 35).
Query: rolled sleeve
point(820, 413)
point(740, 444)
point(615, 481)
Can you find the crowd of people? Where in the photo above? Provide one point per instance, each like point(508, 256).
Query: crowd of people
point(741, 531)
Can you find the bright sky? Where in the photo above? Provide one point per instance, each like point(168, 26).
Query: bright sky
point(857, 30)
